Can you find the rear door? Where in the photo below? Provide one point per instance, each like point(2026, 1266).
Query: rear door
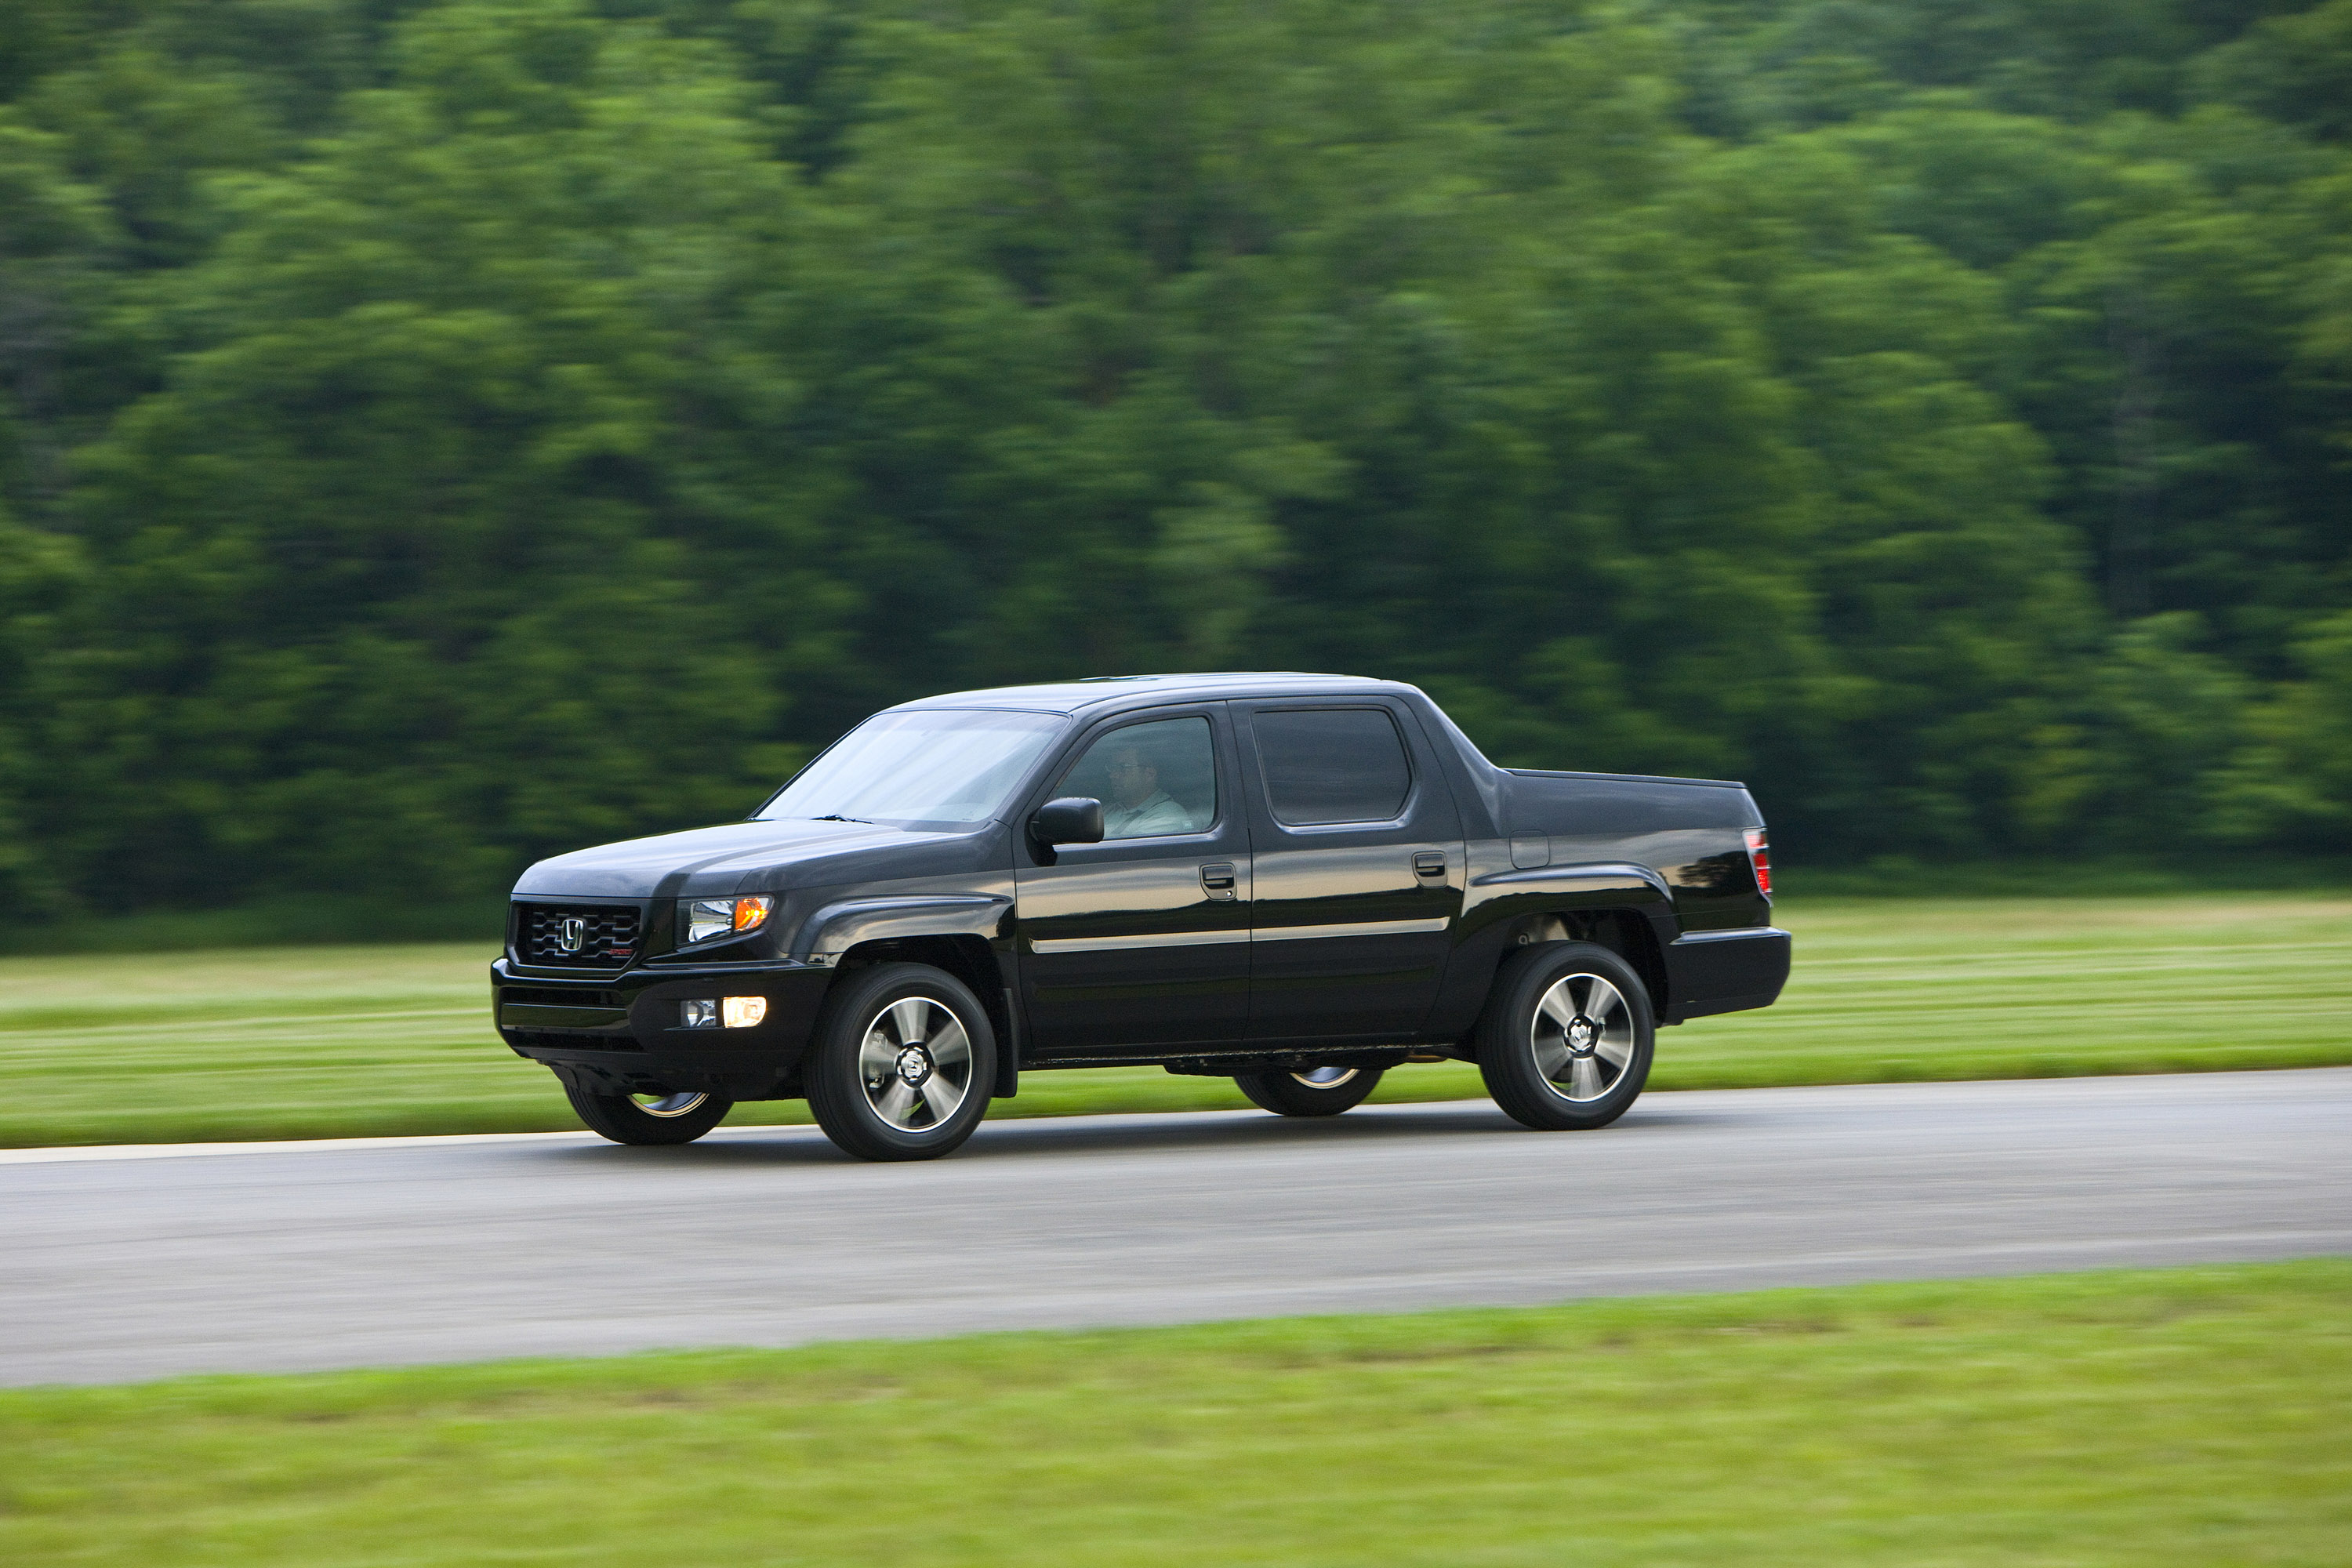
point(1142, 941)
point(1358, 868)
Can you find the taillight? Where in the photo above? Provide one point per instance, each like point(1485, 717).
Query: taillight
point(1759, 855)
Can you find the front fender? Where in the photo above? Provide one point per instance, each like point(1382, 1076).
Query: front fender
point(837, 927)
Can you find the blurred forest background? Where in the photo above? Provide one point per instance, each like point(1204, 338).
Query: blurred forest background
point(433, 435)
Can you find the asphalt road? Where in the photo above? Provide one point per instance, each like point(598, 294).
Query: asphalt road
point(139, 1263)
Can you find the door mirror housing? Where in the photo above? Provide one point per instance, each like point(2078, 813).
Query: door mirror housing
point(1072, 819)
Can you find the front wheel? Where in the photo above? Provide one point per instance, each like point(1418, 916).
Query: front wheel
point(903, 1064)
point(1318, 1091)
point(648, 1118)
point(1566, 1040)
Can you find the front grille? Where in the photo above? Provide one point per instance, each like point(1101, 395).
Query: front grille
point(606, 935)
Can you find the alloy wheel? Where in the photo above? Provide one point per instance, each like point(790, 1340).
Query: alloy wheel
point(914, 1062)
point(1584, 1038)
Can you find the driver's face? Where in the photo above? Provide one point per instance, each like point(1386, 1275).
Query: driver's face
point(1132, 780)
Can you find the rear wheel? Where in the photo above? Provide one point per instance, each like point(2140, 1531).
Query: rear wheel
point(1566, 1040)
point(903, 1064)
point(1314, 1091)
point(646, 1118)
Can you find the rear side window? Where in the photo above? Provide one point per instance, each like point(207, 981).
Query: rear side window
point(1332, 764)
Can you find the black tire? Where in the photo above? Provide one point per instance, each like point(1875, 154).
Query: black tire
point(880, 1103)
point(1559, 1073)
point(1296, 1094)
point(646, 1119)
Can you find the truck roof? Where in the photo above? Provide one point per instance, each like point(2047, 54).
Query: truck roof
point(1148, 690)
point(1110, 693)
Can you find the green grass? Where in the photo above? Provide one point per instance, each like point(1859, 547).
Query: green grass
point(2133, 877)
point(332, 1041)
point(2188, 1417)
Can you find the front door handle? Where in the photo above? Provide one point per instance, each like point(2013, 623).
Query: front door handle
point(1429, 863)
point(1218, 878)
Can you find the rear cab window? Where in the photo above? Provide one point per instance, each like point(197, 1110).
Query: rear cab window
point(1327, 765)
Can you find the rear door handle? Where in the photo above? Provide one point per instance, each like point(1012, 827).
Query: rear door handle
point(1218, 878)
point(1429, 863)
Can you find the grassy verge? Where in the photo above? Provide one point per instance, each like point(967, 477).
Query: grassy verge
point(2178, 1417)
point(332, 1041)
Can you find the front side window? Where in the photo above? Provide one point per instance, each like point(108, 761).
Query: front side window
point(1332, 764)
point(948, 766)
point(1153, 779)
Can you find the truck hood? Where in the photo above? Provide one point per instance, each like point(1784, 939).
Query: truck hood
point(738, 857)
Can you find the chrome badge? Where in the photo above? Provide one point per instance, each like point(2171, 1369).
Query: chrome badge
point(571, 933)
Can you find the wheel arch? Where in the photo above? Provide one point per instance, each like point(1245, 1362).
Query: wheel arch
point(842, 928)
point(961, 953)
point(1628, 933)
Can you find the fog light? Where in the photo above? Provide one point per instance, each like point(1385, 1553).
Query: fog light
point(700, 1014)
point(743, 1012)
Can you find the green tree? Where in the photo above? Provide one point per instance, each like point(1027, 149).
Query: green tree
point(2293, 782)
point(40, 577)
point(434, 552)
point(2296, 70)
point(443, 431)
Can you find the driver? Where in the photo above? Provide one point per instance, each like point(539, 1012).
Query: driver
point(1139, 808)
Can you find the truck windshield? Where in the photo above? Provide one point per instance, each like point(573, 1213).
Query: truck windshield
point(948, 766)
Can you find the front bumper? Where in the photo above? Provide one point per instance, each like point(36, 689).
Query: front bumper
point(622, 1032)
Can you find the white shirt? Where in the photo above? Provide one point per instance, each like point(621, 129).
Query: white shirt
point(1156, 814)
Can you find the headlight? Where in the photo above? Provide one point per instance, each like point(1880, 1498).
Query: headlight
point(700, 919)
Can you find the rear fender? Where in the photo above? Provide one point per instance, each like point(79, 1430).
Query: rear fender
point(1625, 907)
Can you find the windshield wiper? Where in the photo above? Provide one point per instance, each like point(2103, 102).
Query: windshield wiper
point(836, 816)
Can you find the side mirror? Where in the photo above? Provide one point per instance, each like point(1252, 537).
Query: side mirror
point(1072, 819)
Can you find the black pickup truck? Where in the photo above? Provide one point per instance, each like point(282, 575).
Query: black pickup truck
point(1296, 881)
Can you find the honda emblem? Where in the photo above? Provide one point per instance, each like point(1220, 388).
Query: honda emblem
point(570, 934)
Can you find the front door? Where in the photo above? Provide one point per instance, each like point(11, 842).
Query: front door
point(1142, 942)
point(1358, 869)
